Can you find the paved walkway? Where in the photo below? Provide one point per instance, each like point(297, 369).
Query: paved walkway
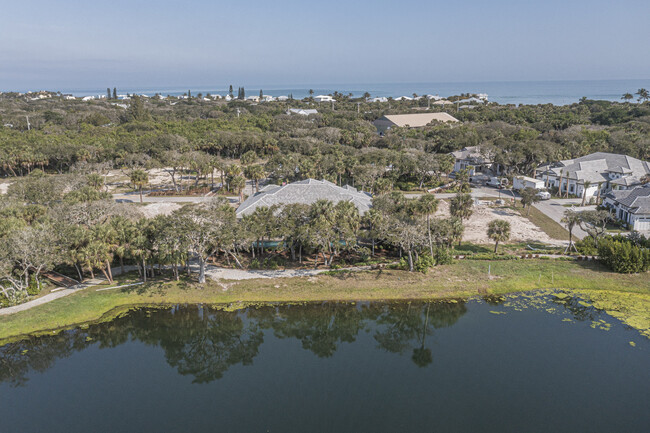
point(49, 297)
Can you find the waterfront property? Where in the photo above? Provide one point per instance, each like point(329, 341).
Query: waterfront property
point(306, 192)
point(324, 98)
point(594, 175)
point(631, 207)
point(418, 120)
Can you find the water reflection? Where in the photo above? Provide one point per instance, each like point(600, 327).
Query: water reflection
point(204, 343)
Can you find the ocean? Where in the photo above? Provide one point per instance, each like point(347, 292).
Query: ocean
point(503, 92)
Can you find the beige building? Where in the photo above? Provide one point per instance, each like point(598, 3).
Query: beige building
point(418, 120)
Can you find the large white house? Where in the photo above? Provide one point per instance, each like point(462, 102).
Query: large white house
point(307, 192)
point(631, 206)
point(594, 174)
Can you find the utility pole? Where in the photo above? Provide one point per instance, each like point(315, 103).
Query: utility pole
point(28, 125)
point(358, 109)
point(238, 111)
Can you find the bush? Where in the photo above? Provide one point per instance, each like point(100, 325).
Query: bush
point(424, 263)
point(442, 256)
point(623, 256)
point(587, 246)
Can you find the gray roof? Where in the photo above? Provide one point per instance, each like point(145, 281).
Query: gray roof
point(472, 153)
point(307, 192)
point(594, 167)
point(637, 199)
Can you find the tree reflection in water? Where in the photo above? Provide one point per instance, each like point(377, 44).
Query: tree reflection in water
point(204, 343)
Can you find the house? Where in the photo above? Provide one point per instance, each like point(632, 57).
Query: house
point(418, 120)
point(282, 98)
point(378, 99)
point(443, 102)
point(253, 98)
point(523, 182)
point(403, 98)
point(474, 158)
point(268, 98)
point(595, 174)
point(631, 206)
point(324, 98)
point(87, 98)
point(307, 192)
point(302, 111)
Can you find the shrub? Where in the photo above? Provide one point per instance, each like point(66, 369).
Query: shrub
point(442, 256)
point(623, 256)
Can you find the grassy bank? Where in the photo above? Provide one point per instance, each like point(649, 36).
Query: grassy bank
point(461, 279)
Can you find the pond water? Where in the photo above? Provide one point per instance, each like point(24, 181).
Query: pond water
point(524, 363)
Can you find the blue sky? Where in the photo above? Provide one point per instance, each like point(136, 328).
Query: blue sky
point(71, 44)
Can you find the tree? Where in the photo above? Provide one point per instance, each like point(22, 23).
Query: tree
point(570, 220)
point(594, 222)
point(139, 178)
point(528, 198)
point(643, 95)
point(230, 91)
point(238, 183)
point(499, 231)
point(115, 93)
point(460, 207)
point(206, 229)
point(627, 97)
point(255, 173)
point(108, 93)
point(428, 205)
point(136, 111)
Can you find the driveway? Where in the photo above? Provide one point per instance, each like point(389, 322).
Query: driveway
point(554, 209)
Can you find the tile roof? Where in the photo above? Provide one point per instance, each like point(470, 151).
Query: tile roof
point(637, 199)
point(307, 192)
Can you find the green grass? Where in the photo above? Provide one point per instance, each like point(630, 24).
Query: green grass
point(462, 279)
point(544, 222)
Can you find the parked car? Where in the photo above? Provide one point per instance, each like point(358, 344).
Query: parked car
point(543, 195)
point(497, 183)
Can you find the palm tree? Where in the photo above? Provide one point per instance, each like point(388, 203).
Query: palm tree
point(255, 173)
point(643, 94)
point(627, 97)
point(570, 220)
point(498, 231)
point(139, 178)
point(238, 183)
point(427, 205)
point(460, 207)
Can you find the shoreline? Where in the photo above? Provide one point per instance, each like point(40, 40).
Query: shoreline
point(628, 295)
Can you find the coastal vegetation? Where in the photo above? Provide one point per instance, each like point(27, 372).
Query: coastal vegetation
point(460, 280)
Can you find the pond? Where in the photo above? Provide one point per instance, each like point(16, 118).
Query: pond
point(522, 363)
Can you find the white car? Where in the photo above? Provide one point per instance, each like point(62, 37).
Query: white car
point(543, 195)
point(495, 182)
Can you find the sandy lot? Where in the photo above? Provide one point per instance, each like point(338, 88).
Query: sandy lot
point(521, 229)
point(154, 209)
point(4, 186)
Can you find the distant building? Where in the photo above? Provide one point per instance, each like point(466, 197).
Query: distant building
point(419, 120)
point(403, 98)
point(302, 111)
point(282, 98)
point(324, 98)
point(378, 99)
point(306, 192)
point(610, 171)
point(631, 206)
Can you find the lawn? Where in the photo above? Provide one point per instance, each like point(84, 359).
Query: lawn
point(459, 280)
point(544, 222)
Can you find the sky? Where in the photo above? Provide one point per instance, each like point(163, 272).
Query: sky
point(72, 44)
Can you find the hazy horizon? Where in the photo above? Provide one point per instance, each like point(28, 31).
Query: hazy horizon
point(76, 44)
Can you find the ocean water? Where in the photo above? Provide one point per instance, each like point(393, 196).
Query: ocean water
point(503, 92)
